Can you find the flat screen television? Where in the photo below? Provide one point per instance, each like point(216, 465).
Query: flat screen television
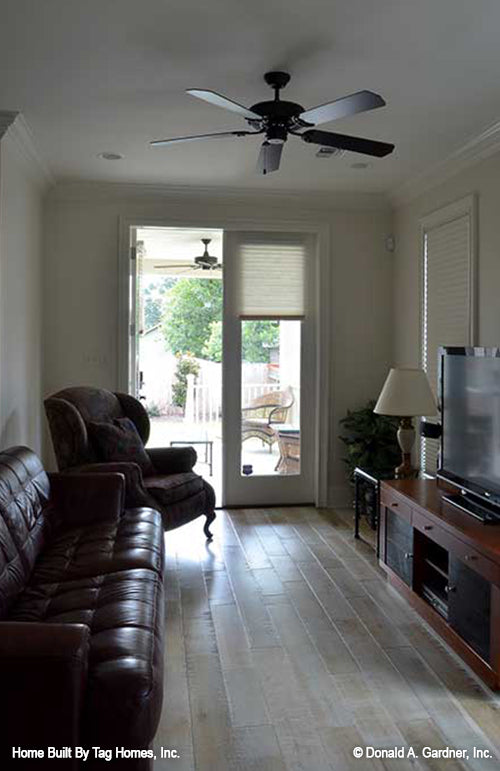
point(469, 397)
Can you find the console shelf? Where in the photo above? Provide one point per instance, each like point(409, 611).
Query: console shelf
point(447, 565)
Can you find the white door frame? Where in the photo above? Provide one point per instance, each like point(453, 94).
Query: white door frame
point(261, 489)
point(323, 316)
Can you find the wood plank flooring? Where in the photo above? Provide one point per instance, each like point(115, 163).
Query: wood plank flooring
point(286, 648)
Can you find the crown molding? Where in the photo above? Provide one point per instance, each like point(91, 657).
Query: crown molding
point(478, 148)
point(90, 190)
point(15, 127)
point(7, 118)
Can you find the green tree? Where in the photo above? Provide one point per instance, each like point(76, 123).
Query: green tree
point(258, 337)
point(192, 323)
point(154, 300)
point(212, 349)
point(191, 307)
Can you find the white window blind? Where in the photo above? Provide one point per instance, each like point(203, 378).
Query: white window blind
point(446, 312)
point(272, 274)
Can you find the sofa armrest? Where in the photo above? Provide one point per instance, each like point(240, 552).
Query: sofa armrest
point(83, 498)
point(43, 671)
point(172, 460)
point(135, 494)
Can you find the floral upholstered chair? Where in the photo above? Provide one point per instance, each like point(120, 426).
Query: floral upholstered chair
point(95, 430)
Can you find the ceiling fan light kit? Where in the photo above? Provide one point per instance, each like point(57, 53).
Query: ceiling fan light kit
point(277, 119)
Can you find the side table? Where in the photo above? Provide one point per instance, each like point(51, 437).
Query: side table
point(366, 496)
point(289, 447)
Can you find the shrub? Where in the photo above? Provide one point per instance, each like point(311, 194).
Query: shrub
point(186, 365)
point(153, 409)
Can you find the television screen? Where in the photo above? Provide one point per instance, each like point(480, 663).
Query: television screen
point(470, 403)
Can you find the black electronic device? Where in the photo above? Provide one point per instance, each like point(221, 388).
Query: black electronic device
point(430, 430)
point(469, 396)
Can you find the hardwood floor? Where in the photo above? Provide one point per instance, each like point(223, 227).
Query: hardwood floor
point(286, 648)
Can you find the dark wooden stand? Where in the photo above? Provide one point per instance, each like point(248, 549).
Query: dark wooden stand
point(447, 565)
point(366, 496)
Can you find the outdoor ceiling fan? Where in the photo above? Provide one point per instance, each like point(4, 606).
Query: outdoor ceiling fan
point(204, 261)
point(276, 119)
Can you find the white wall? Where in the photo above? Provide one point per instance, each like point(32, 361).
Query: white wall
point(482, 179)
point(21, 191)
point(81, 284)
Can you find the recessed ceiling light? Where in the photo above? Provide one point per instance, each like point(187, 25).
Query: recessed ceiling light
point(360, 165)
point(110, 156)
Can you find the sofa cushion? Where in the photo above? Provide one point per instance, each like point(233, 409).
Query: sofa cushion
point(24, 520)
point(119, 441)
point(131, 540)
point(123, 611)
point(173, 488)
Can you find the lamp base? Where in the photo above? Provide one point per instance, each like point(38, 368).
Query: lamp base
point(406, 440)
point(405, 470)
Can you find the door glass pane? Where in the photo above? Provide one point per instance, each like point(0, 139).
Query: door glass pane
point(270, 398)
point(179, 328)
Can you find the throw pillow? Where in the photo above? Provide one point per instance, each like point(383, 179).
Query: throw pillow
point(119, 441)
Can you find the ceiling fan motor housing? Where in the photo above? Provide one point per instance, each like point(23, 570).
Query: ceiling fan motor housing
point(206, 260)
point(278, 116)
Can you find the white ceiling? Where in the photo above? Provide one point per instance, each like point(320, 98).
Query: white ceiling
point(108, 75)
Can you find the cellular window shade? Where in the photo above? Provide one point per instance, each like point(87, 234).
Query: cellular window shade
point(272, 275)
point(446, 317)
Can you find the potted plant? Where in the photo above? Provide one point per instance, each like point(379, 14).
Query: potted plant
point(370, 440)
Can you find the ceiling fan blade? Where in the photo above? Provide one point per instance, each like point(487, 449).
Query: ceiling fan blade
point(161, 142)
point(212, 97)
point(269, 157)
point(166, 266)
point(344, 142)
point(342, 108)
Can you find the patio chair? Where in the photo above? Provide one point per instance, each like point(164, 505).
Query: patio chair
point(264, 412)
point(160, 478)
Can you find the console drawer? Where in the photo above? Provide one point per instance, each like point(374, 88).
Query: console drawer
point(395, 503)
point(459, 549)
point(477, 561)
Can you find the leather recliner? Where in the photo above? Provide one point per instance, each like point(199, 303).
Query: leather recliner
point(81, 616)
point(173, 488)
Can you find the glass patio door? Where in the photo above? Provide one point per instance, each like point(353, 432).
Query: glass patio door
point(269, 369)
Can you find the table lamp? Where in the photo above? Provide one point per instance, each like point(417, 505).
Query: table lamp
point(406, 394)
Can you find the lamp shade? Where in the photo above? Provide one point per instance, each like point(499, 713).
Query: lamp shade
point(406, 393)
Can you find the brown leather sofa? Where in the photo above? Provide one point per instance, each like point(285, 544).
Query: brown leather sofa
point(81, 616)
point(173, 488)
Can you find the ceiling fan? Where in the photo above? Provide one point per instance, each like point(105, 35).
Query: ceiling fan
point(276, 119)
point(204, 261)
